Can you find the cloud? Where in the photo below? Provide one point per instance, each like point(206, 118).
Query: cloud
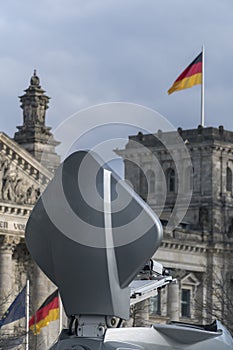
point(88, 52)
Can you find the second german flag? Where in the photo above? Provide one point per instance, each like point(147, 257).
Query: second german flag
point(191, 76)
point(48, 311)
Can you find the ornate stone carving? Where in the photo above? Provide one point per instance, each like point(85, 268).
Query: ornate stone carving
point(8, 243)
point(14, 187)
point(21, 252)
point(34, 103)
point(34, 135)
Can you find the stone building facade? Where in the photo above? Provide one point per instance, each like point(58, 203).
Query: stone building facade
point(27, 163)
point(199, 251)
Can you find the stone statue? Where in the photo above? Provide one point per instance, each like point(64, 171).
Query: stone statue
point(41, 113)
point(34, 107)
point(21, 191)
point(35, 81)
point(13, 186)
point(3, 167)
point(27, 114)
point(8, 189)
point(31, 195)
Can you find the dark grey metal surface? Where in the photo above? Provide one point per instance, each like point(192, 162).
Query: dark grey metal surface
point(68, 237)
point(169, 337)
point(158, 337)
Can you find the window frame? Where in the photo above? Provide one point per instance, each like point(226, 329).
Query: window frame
point(186, 303)
point(171, 180)
point(156, 300)
point(228, 179)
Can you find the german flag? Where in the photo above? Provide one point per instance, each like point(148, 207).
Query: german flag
point(48, 311)
point(191, 76)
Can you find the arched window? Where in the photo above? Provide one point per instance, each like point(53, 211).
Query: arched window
point(151, 181)
point(171, 180)
point(229, 180)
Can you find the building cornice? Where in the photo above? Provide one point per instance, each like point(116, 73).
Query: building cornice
point(24, 160)
point(194, 247)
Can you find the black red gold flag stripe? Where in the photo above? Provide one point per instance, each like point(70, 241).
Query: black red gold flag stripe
point(47, 312)
point(191, 76)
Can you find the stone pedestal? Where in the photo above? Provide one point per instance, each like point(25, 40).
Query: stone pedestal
point(173, 301)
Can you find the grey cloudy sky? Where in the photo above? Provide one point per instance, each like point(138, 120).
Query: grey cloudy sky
point(92, 51)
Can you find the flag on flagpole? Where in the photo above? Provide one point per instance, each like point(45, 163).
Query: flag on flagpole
point(191, 76)
point(47, 312)
point(16, 310)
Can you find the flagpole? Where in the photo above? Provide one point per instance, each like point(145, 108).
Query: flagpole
point(27, 317)
point(60, 313)
point(203, 88)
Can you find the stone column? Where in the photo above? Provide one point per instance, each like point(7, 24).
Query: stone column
point(173, 301)
point(7, 245)
point(141, 313)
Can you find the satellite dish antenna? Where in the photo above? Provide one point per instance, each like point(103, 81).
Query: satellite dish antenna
point(91, 233)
